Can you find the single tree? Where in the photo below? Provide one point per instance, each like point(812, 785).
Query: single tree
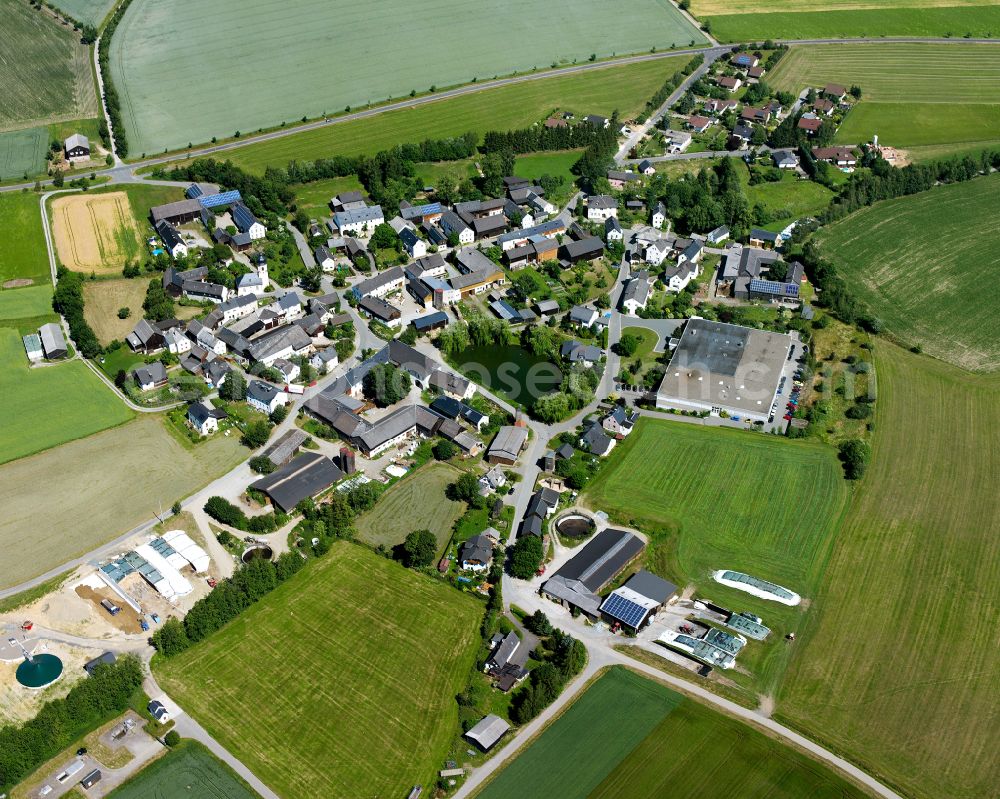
point(526, 556)
point(419, 549)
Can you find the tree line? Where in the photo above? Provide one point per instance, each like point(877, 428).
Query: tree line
point(67, 299)
point(565, 658)
point(248, 585)
point(102, 696)
point(222, 510)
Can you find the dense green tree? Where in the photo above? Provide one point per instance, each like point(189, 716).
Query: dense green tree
point(444, 450)
point(386, 384)
point(262, 464)
point(158, 305)
point(854, 455)
point(234, 386)
point(526, 556)
point(419, 549)
point(256, 434)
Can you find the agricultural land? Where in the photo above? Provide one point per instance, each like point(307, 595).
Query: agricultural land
point(626, 88)
point(22, 152)
point(22, 247)
point(189, 39)
point(416, 502)
point(188, 769)
point(936, 302)
point(45, 72)
point(713, 498)
point(26, 304)
point(753, 20)
point(87, 11)
point(359, 661)
point(95, 232)
point(914, 95)
point(901, 647)
point(671, 746)
point(100, 486)
point(103, 298)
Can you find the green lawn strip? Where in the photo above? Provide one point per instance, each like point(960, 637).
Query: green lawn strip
point(388, 61)
point(696, 751)
point(416, 502)
point(552, 764)
point(52, 404)
point(901, 646)
point(937, 300)
point(624, 87)
point(919, 124)
point(359, 660)
point(188, 769)
point(979, 21)
point(22, 245)
point(32, 301)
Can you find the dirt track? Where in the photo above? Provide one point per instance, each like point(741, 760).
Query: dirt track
point(94, 233)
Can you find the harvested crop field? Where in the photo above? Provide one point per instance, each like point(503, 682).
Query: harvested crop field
point(416, 502)
point(899, 667)
point(940, 303)
point(390, 50)
point(103, 298)
point(95, 232)
point(98, 488)
point(626, 88)
point(22, 152)
point(750, 20)
point(45, 72)
point(356, 664)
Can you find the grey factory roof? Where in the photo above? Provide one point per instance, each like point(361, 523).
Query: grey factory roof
point(603, 557)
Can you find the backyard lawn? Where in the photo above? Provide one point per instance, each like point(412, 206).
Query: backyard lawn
point(357, 661)
point(290, 45)
point(936, 301)
point(897, 667)
point(623, 87)
point(416, 502)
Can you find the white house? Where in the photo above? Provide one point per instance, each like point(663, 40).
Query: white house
point(247, 223)
point(290, 306)
point(656, 251)
point(201, 415)
point(325, 259)
point(176, 341)
point(415, 246)
point(288, 369)
point(619, 422)
point(601, 207)
point(659, 216)
point(359, 222)
point(249, 284)
point(171, 238)
point(237, 308)
point(324, 360)
point(677, 140)
point(265, 397)
point(613, 230)
point(452, 223)
point(635, 295)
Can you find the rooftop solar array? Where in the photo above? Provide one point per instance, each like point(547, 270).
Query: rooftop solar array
point(625, 610)
point(774, 288)
point(223, 198)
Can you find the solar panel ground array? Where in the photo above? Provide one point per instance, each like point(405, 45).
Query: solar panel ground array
point(913, 94)
point(243, 65)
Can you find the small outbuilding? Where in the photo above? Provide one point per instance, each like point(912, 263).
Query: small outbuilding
point(488, 731)
point(53, 343)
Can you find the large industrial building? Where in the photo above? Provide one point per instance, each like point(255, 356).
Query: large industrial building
point(721, 367)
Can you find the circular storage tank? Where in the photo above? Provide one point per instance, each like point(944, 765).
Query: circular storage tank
point(257, 553)
point(575, 525)
point(40, 671)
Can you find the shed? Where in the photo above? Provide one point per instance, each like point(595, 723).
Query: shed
point(488, 731)
point(53, 343)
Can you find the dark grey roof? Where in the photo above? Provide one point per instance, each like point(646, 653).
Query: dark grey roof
point(597, 441)
point(90, 665)
point(478, 548)
point(153, 372)
point(590, 247)
point(286, 446)
point(651, 586)
point(379, 308)
point(603, 557)
point(304, 477)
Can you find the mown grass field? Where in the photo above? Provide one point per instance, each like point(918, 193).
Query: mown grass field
point(22, 152)
point(356, 665)
point(25, 303)
point(45, 72)
point(914, 94)
point(103, 298)
point(751, 20)
point(791, 197)
point(918, 263)
point(899, 667)
point(625, 88)
point(728, 498)
point(22, 246)
point(696, 751)
point(51, 404)
point(445, 44)
point(97, 488)
point(314, 198)
point(552, 765)
point(188, 769)
point(416, 502)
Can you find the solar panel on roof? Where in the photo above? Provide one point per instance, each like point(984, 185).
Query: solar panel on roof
point(223, 198)
point(625, 610)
